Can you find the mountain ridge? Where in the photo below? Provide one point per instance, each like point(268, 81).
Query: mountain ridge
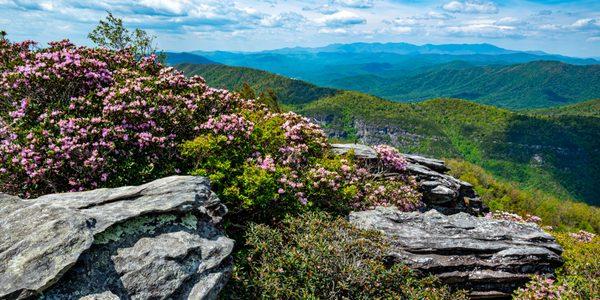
point(530, 85)
point(407, 48)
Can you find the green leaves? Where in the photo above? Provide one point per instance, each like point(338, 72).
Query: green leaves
point(112, 34)
point(315, 256)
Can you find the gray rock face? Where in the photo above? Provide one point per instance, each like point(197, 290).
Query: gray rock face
point(361, 151)
point(440, 191)
point(158, 240)
point(434, 164)
point(490, 258)
point(103, 296)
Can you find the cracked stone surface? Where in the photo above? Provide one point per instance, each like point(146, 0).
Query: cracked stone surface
point(491, 258)
point(158, 240)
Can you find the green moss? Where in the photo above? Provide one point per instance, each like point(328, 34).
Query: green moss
point(139, 225)
point(190, 221)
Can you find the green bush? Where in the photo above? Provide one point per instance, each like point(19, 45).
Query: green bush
point(318, 257)
point(563, 215)
point(264, 165)
point(581, 271)
point(578, 278)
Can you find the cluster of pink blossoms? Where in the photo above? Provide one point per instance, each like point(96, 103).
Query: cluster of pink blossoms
point(506, 216)
point(267, 163)
point(541, 288)
point(368, 193)
point(231, 125)
point(582, 236)
point(391, 158)
point(303, 138)
point(75, 118)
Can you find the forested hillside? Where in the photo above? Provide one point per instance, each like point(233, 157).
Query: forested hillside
point(558, 154)
point(288, 91)
point(587, 108)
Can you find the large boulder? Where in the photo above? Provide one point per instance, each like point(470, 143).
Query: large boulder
point(440, 191)
point(159, 240)
point(490, 258)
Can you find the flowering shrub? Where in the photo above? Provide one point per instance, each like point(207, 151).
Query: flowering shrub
point(541, 288)
point(581, 270)
point(258, 160)
point(503, 215)
point(74, 118)
point(582, 236)
point(391, 158)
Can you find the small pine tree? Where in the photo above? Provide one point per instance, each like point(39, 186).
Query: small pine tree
point(247, 92)
point(3, 35)
point(269, 98)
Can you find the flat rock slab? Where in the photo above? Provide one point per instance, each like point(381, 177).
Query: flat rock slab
point(360, 151)
point(491, 258)
point(157, 240)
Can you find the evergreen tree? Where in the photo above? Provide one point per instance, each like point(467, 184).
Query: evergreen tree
point(247, 92)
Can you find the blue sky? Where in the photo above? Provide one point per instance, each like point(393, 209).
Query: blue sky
point(555, 26)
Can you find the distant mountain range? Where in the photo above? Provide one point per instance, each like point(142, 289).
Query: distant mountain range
point(406, 48)
point(529, 85)
point(404, 72)
point(174, 58)
point(556, 150)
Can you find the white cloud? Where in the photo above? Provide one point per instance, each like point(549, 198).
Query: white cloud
point(510, 21)
point(325, 9)
point(333, 30)
point(397, 30)
point(586, 24)
point(177, 7)
point(284, 20)
point(471, 7)
point(432, 15)
point(355, 3)
point(341, 19)
point(484, 30)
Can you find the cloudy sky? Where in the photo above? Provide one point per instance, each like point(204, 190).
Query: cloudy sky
point(555, 26)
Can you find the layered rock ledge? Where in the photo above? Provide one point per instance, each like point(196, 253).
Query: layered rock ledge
point(442, 192)
point(159, 240)
point(490, 258)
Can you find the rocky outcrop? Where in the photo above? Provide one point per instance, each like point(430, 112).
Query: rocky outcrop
point(490, 258)
point(158, 240)
point(440, 191)
point(361, 151)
